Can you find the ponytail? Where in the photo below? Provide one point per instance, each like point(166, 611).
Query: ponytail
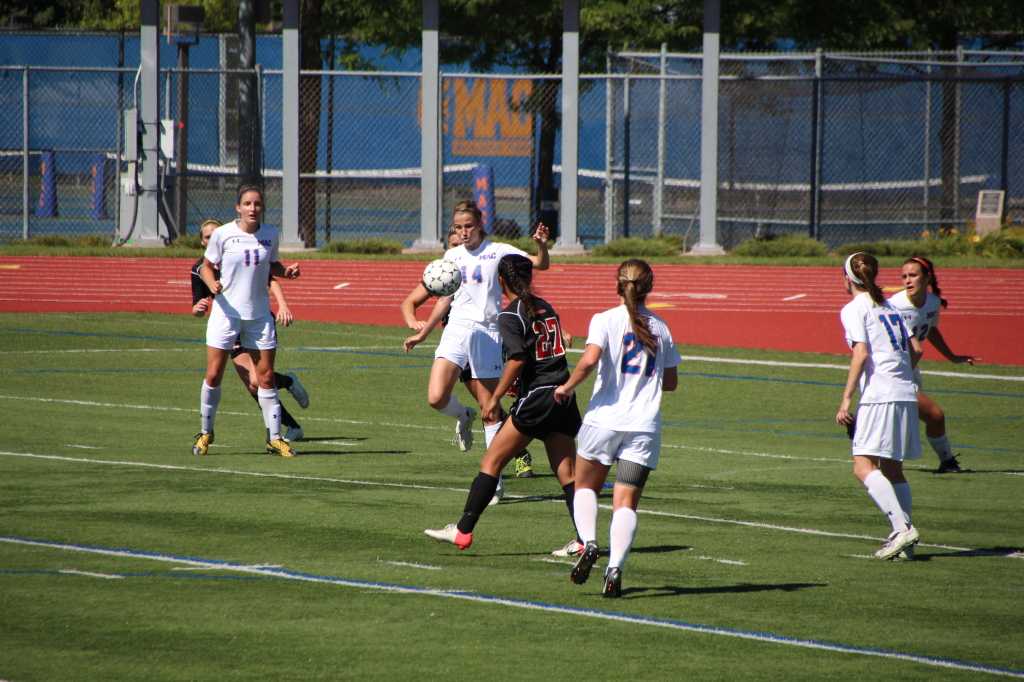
point(929, 269)
point(862, 270)
point(635, 281)
point(517, 274)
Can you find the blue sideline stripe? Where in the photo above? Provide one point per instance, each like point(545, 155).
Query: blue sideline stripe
point(619, 616)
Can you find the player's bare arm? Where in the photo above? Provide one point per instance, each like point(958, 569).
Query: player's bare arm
point(860, 357)
point(586, 365)
point(542, 261)
point(491, 407)
point(417, 297)
point(444, 303)
point(209, 275)
point(277, 269)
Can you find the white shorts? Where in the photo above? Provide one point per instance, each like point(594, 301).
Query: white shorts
point(223, 331)
point(474, 346)
point(887, 430)
point(606, 446)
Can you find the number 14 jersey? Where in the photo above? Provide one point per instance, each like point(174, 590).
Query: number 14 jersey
point(627, 390)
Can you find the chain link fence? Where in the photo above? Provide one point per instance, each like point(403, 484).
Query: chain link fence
point(842, 147)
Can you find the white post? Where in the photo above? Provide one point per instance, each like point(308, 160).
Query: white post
point(568, 241)
point(708, 244)
point(148, 220)
point(609, 156)
point(659, 180)
point(290, 127)
point(430, 132)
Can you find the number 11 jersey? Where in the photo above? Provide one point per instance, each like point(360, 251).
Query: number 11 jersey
point(627, 390)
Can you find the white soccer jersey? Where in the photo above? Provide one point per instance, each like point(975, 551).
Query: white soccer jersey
point(627, 390)
point(887, 376)
point(244, 262)
point(919, 321)
point(479, 297)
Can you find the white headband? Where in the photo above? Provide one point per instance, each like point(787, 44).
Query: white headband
point(849, 270)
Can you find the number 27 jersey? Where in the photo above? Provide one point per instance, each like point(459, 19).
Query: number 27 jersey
point(627, 390)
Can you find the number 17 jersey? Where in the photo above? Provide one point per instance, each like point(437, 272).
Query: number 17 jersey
point(627, 390)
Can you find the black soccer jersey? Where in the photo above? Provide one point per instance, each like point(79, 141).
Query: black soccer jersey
point(199, 288)
point(538, 341)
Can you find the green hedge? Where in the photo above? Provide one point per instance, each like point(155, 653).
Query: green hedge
point(1006, 243)
point(371, 245)
point(784, 245)
point(625, 247)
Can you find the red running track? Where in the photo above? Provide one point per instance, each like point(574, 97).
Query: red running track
point(781, 308)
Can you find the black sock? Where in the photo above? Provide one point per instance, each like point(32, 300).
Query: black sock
point(480, 494)
point(287, 420)
point(283, 381)
point(570, 491)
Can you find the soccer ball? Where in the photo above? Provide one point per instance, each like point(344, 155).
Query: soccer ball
point(442, 277)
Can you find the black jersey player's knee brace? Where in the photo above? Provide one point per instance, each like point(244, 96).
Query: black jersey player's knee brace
point(631, 474)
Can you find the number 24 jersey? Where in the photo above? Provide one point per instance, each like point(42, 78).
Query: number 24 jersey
point(627, 390)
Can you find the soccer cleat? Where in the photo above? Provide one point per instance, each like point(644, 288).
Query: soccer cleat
point(294, 433)
point(279, 446)
point(452, 534)
point(612, 583)
point(298, 391)
point(898, 541)
point(464, 431)
point(499, 492)
point(949, 466)
point(581, 571)
point(201, 443)
point(570, 549)
point(522, 466)
point(906, 554)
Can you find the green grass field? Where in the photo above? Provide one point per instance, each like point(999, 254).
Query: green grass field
point(123, 556)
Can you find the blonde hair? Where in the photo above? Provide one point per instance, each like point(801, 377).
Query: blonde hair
point(635, 281)
point(467, 206)
point(208, 221)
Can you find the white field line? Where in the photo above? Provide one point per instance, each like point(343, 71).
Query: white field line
point(357, 422)
point(411, 486)
point(202, 568)
point(90, 574)
point(728, 562)
point(410, 564)
point(795, 297)
point(82, 447)
point(765, 637)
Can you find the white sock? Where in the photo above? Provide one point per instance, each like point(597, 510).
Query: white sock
point(902, 491)
point(881, 491)
point(454, 408)
point(490, 431)
point(941, 447)
point(271, 408)
point(209, 399)
point(584, 513)
point(621, 533)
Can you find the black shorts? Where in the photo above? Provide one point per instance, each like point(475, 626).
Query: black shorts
point(466, 374)
point(537, 414)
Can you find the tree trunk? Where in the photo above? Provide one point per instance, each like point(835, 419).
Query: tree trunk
point(949, 138)
point(309, 119)
point(250, 158)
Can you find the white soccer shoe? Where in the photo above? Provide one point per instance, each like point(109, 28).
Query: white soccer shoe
point(897, 542)
point(294, 433)
point(464, 430)
point(451, 534)
point(499, 492)
point(298, 391)
point(573, 548)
